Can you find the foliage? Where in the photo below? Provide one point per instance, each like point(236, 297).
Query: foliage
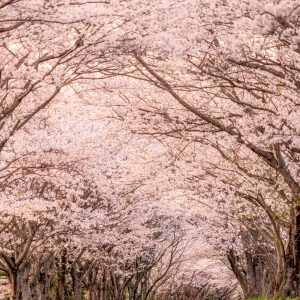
point(129, 130)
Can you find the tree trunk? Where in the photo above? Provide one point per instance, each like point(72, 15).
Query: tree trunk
point(92, 281)
point(291, 282)
point(24, 275)
point(15, 288)
point(40, 287)
point(237, 270)
point(253, 276)
point(92, 292)
point(36, 292)
point(61, 280)
point(76, 286)
point(250, 276)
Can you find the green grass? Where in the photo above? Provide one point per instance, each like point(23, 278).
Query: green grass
point(262, 298)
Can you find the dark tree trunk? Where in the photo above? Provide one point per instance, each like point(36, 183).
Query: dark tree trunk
point(15, 287)
point(61, 277)
point(41, 280)
point(251, 276)
point(291, 284)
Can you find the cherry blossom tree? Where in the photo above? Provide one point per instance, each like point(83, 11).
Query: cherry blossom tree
point(205, 112)
point(231, 85)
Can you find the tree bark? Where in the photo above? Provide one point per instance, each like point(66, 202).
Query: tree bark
point(61, 280)
point(291, 282)
point(14, 280)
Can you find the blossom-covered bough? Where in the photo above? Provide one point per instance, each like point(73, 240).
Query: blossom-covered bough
point(76, 209)
point(112, 110)
point(234, 87)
